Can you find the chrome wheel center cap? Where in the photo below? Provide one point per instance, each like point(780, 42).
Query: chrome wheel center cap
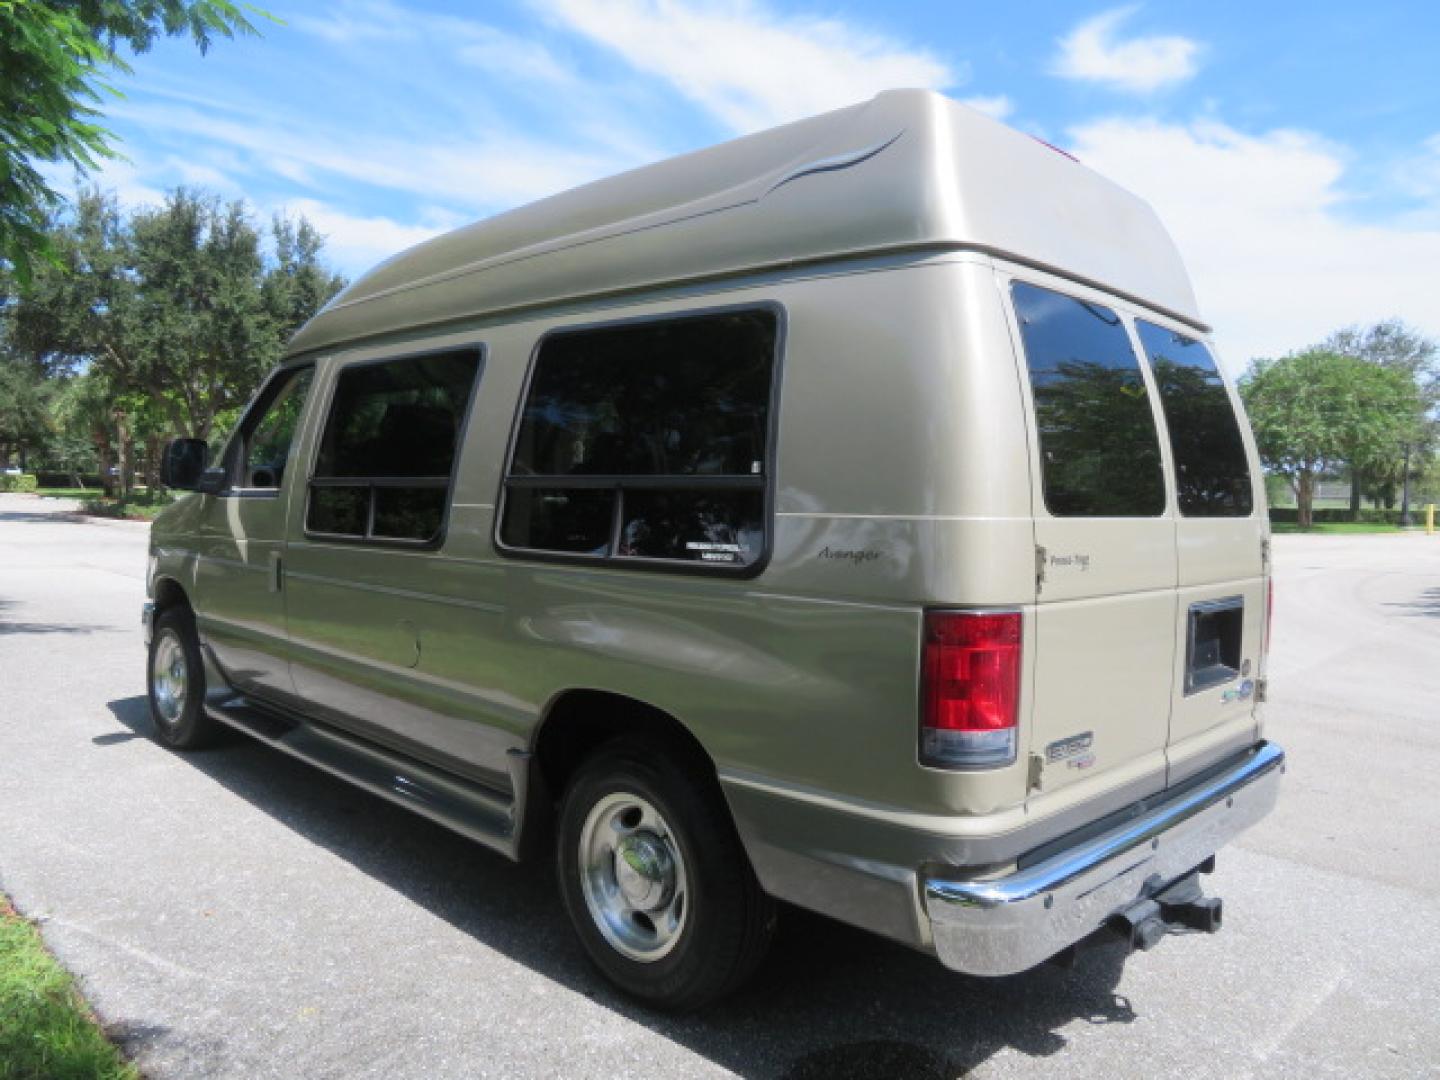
point(644, 870)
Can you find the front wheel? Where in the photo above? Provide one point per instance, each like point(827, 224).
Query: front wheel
point(655, 879)
point(176, 683)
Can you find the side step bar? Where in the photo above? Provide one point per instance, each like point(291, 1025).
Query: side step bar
point(483, 814)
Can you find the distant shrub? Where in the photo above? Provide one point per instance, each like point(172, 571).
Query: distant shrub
point(1287, 515)
point(111, 508)
point(135, 508)
point(65, 479)
point(18, 482)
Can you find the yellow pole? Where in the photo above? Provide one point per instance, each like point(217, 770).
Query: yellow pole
point(1430, 519)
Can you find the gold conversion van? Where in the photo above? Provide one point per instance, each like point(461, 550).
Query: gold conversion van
point(853, 515)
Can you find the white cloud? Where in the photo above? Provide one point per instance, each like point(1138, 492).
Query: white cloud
point(1262, 222)
point(354, 244)
point(483, 171)
point(218, 173)
point(360, 21)
point(505, 54)
point(1418, 177)
point(1092, 52)
point(114, 176)
point(997, 107)
point(748, 66)
point(380, 24)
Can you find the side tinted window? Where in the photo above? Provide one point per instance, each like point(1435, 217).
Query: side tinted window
point(265, 449)
point(389, 447)
point(1099, 452)
point(1212, 475)
point(647, 441)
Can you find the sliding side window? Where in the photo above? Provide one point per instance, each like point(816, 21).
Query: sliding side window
point(1212, 473)
point(387, 457)
point(1099, 451)
point(647, 442)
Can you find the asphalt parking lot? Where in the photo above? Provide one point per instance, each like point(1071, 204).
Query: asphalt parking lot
point(236, 914)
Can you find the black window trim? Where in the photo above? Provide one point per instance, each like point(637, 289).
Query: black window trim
point(235, 448)
point(765, 482)
point(372, 482)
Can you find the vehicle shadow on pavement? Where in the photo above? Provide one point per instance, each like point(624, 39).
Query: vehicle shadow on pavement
point(1424, 603)
point(10, 626)
point(830, 1002)
point(47, 517)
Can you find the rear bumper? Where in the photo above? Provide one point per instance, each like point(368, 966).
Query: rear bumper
point(1009, 924)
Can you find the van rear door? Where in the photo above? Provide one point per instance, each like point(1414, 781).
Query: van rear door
point(1105, 611)
point(1221, 552)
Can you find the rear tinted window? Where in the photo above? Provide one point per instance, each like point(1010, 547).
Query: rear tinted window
point(1099, 452)
point(383, 471)
point(647, 441)
point(1212, 474)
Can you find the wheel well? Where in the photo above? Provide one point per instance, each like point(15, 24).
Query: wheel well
point(578, 722)
point(168, 594)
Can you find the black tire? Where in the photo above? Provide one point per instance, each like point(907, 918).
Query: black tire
point(726, 922)
point(181, 723)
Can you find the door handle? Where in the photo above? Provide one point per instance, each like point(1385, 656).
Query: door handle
point(274, 571)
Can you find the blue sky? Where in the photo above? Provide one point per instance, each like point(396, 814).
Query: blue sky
point(1293, 149)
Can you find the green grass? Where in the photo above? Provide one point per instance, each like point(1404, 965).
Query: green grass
point(68, 493)
point(1327, 528)
point(47, 1032)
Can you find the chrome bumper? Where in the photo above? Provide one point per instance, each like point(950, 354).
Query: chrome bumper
point(1009, 924)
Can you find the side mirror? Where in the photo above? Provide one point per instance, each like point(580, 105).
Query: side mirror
point(182, 464)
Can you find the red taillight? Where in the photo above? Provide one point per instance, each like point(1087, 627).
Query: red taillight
point(970, 688)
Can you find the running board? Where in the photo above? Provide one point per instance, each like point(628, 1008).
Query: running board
point(482, 814)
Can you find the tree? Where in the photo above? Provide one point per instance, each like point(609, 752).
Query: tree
point(177, 312)
point(85, 412)
point(1317, 410)
point(1393, 345)
point(24, 410)
point(54, 57)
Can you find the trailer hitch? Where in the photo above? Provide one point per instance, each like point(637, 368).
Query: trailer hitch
point(1180, 905)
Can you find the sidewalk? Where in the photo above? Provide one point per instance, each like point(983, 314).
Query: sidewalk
point(27, 505)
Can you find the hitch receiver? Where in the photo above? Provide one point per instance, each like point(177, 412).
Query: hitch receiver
point(1180, 905)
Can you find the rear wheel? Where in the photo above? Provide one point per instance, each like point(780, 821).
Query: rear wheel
point(176, 683)
point(655, 879)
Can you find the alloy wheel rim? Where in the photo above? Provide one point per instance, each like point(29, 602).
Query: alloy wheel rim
point(169, 677)
point(633, 876)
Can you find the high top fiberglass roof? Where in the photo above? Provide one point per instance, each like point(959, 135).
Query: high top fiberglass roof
point(908, 171)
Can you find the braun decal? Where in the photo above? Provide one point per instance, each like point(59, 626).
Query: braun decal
point(858, 557)
point(708, 551)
